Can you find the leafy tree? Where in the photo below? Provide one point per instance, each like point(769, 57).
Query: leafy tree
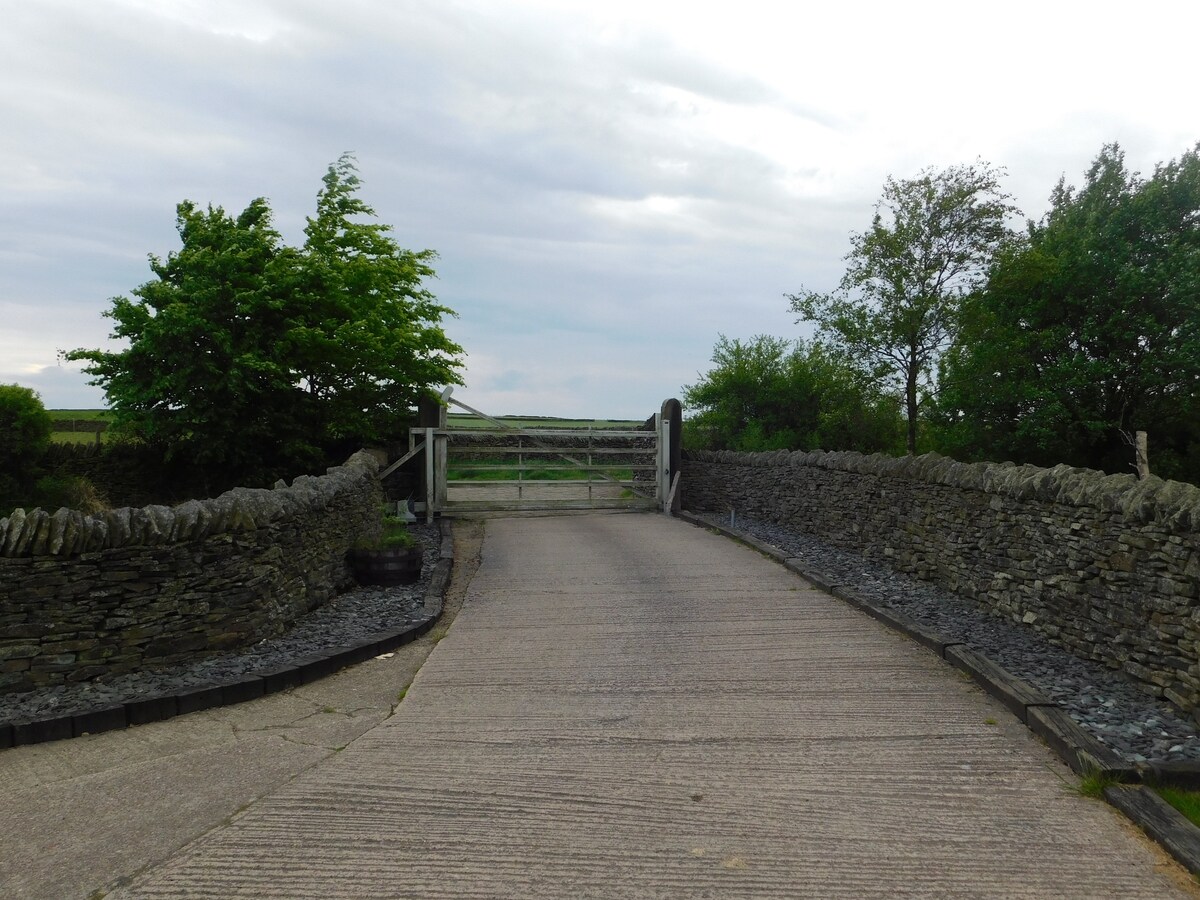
point(769, 393)
point(25, 428)
point(1089, 329)
point(200, 377)
point(249, 358)
point(365, 340)
point(897, 306)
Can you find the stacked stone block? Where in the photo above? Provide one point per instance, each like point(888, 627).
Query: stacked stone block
point(1104, 565)
point(84, 597)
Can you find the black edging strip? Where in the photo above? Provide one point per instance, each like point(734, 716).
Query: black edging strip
point(1084, 754)
point(302, 670)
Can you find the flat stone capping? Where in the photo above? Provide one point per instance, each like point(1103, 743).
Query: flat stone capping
point(302, 670)
point(1079, 750)
point(1160, 820)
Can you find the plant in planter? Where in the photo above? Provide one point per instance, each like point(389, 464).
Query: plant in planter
point(394, 558)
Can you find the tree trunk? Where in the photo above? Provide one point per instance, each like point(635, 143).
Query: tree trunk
point(910, 399)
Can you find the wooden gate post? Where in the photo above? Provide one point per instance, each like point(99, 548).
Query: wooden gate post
point(672, 434)
point(431, 414)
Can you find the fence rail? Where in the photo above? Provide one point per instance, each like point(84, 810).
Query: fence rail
point(499, 466)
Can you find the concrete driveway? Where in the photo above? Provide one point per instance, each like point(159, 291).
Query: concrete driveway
point(628, 706)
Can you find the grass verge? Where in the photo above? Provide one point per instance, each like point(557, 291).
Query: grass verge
point(1093, 784)
point(1187, 802)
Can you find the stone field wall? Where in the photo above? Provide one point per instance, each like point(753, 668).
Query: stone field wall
point(1104, 565)
point(83, 597)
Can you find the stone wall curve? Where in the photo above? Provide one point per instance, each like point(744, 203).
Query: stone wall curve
point(1106, 566)
point(84, 597)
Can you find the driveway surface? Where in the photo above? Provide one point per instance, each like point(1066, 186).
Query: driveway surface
point(628, 706)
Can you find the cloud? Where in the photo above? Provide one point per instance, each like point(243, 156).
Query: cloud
point(609, 186)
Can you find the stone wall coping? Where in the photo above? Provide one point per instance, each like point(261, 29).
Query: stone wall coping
point(67, 532)
point(1173, 504)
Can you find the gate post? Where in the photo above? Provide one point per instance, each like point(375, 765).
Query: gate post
point(431, 415)
point(672, 443)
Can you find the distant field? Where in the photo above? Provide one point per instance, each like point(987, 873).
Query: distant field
point(77, 426)
point(535, 467)
point(78, 414)
point(465, 420)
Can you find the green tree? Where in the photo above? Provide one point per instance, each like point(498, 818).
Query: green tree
point(200, 377)
point(365, 340)
point(1088, 329)
point(250, 359)
point(897, 305)
point(25, 428)
point(769, 393)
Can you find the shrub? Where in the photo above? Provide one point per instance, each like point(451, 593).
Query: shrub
point(25, 428)
point(72, 491)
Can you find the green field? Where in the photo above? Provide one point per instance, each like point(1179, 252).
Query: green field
point(78, 426)
point(506, 469)
point(466, 420)
point(82, 415)
point(549, 467)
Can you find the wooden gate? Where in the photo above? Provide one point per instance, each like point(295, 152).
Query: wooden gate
point(491, 465)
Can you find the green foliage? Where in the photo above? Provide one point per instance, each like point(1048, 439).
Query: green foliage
point(25, 428)
point(53, 492)
point(1093, 784)
point(1088, 330)
point(897, 306)
point(769, 394)
point(396, 533)
point(250, 359)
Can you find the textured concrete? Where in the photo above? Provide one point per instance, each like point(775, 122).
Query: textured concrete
point(628, 706)
point(82, 816)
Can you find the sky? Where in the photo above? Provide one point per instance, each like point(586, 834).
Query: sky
point(609, 186)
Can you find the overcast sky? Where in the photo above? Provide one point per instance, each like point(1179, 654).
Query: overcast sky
point(610, 185)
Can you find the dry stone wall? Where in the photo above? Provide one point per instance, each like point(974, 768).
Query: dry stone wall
point(82, 597)
point(1104, 565)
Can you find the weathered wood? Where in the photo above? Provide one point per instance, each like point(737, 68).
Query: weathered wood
point(669, 505)
point(1161, 821)
point(542, 504)
point(429, 476)
point(507, 430)
point(1142, 453)
point(402, 460)
point(548, 432)
point(537, 450)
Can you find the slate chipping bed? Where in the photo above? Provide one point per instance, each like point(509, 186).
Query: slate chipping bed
point(354, 615)
point(1109, 706)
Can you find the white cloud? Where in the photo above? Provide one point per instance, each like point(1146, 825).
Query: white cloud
point(609, 185)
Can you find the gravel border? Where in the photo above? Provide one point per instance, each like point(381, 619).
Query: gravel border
point(351, 621)
point(1137, 727)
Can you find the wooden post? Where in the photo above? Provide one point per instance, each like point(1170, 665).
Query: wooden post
point(441, 467)
point(672, 421)
point(429, 476)
point(1142, 453)
point(664, 468)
